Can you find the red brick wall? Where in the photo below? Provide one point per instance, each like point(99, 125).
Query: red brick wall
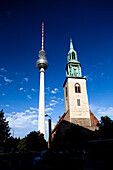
point(93, 119)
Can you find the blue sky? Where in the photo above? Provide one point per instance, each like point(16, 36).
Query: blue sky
point(88, 23)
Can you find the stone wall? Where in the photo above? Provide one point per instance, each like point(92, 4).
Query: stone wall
point(81, 121)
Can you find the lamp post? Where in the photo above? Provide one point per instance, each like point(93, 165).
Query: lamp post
point(49, 123)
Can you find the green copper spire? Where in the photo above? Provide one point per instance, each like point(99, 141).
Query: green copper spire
point(73, 68)
point(72, 55)
point(71, 45)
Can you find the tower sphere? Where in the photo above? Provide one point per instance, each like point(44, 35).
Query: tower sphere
point(42, 61)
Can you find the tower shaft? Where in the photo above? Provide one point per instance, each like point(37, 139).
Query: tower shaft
point(42, 65)
point(41, 120)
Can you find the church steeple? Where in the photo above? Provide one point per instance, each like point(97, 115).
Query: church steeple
point(71, 44)
point(73, 68)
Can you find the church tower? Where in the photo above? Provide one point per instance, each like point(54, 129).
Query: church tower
point(76, 99)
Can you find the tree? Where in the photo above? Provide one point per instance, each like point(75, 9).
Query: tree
point(36, 141)
point(106, 127)
point(33, 142)
point(105, 120)
point(11, 144)
point(4, 129)
point(22, 144)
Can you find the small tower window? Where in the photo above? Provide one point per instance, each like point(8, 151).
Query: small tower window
point(77, 88)
point(78, 102)
point(73, 55)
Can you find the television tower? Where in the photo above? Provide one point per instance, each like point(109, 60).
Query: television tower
point(42, 65)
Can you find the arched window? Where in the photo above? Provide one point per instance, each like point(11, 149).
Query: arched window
point(77, 88)
point(73, 55)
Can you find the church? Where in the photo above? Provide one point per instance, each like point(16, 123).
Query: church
point(76, 99)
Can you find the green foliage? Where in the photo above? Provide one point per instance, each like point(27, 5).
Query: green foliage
point(11, 144)
point(4, 129)
point(106, 128)
point(22, 144)
point(36, 141)
point(105, 120)
point(33, 142)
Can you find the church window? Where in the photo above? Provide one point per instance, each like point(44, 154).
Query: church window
point(73, 55)
point(78, 102)
point(77, 88)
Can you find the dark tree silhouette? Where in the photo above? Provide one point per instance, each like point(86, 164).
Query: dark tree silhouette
point(105, 120)
point(33, 142)
point(106, 128)
point(36, 141)
point(11, 144)
point(4, 129)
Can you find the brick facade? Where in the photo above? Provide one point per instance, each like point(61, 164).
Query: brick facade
point(64, 123)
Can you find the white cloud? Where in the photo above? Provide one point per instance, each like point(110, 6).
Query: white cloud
point(29, 97)
point(7, 105)
point(52, 104)
point(48, 109)
point(3, 70)
point(55, 91)
point(27, 111)
point(32, 108)
point(33, 90)
point(21, 88)
point(55, 101)
point(30, 112)
point(26, 79)
point(102, 111)
point(7, 80)
point(23, 122)
point(27, 121)
point(48, 88)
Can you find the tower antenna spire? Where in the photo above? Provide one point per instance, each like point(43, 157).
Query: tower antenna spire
point(42, 36)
